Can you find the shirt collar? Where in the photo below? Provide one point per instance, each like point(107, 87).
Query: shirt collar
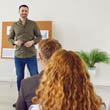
point(21, 21)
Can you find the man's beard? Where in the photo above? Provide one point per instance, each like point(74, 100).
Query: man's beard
point(24, 16)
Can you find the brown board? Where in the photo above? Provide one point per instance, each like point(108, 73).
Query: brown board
point(6, 45)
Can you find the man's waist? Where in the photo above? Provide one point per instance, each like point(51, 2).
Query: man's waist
point(21, 54)
point(24, 39)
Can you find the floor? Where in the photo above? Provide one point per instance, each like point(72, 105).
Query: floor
point(8, 94)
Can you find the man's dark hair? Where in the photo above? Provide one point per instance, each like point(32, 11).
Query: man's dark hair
point(23, 6)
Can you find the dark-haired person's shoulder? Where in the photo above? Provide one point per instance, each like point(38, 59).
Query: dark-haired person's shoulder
point(31, 21)
point(32, 78)
point(15, 23)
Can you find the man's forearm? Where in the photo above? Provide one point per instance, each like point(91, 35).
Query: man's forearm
point(37, 39)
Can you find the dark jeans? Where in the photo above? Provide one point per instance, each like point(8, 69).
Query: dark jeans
point(20, 66)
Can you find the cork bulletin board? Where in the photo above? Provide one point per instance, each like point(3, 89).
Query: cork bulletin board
point(7, 50)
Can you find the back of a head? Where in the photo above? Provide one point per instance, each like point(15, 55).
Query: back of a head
point(66, 85)
point(48, 47)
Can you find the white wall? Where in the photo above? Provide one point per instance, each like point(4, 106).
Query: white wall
point(77, 24)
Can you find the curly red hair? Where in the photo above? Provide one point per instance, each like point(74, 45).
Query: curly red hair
point(66, 85)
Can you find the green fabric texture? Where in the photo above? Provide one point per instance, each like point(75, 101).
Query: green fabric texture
point(27, 32)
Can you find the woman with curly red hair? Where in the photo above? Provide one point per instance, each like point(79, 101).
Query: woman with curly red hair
point(66, 85)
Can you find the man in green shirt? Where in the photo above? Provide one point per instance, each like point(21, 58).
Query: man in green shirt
point(24, 34)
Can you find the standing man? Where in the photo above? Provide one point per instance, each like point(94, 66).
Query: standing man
point(24, 34)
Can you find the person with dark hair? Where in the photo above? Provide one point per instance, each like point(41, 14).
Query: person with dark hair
point(66, 85)
point(28, 86)
point(24, 34)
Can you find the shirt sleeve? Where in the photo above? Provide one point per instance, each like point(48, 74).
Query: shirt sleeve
point(37, 34)
point(11, 35)
point(21, 104)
